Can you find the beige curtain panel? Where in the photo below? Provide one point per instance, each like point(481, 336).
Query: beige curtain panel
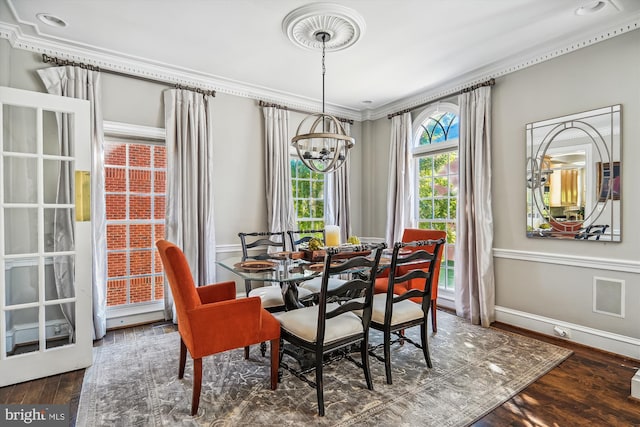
point(474, 274)
point(280, 214)
point(399, 191)
point(189, 203)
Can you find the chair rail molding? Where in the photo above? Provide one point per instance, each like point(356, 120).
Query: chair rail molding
point(228, 248)
point(623, 265)
point(596, 338)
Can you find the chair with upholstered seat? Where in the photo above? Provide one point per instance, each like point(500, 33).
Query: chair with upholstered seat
point(211, 320)
point(297, 238)
point(258, 246)
point(410, 235)
point(393, 312)
point(331, 324)
point(263, 242)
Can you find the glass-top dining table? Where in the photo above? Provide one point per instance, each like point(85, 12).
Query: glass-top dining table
point(286, 272)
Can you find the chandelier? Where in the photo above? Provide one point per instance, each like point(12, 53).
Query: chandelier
point(321, 141)
point(325, 144)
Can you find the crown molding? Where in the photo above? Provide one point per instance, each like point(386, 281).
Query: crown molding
point(172, 74)
point(516, 63)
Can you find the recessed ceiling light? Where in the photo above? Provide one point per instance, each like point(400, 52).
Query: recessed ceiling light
point(368, 101)
point(51, 20)
point(590, 8)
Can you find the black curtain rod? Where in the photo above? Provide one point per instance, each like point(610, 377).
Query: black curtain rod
point(284, 107)
point(57, 61)
point(489, 82)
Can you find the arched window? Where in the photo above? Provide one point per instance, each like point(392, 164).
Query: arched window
point(435, 153)
point(440, 126)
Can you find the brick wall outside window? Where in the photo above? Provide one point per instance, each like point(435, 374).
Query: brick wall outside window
point(135, 195)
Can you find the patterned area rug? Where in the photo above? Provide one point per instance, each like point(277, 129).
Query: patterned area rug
point(134, 383)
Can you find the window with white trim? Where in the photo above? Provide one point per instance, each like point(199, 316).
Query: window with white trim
point(307, 188)
point(435, 156)
point(135, 175)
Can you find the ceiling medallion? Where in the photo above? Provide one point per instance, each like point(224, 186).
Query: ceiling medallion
point(344, 25)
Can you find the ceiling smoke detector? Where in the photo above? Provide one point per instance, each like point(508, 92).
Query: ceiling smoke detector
point(51, 20)
point(590, 8)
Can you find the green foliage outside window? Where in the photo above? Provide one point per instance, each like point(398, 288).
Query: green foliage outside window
point(437, 203)
point(308, 196)
point(438, 191)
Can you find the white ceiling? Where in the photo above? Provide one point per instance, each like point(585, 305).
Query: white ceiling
point(409, 48)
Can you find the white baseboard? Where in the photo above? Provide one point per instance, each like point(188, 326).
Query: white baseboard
point(603, 340)
point(446, 302)
point(130, 319)
point(635, 386)
point(28, 333)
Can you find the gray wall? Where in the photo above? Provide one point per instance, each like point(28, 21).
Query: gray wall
point(375, 176)
point(603, 74)
point(599, 75)
point(238, 131)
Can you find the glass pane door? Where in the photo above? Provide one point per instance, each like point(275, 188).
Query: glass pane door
point(45, 304)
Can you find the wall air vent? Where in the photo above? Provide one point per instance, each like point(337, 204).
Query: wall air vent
point(608, 296)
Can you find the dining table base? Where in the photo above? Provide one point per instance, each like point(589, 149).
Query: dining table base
point(307, 361)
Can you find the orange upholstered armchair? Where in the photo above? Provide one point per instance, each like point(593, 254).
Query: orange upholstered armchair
point(211, 320)
point(411, 235)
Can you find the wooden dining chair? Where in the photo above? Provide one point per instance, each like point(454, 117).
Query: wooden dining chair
point(257, 245)
point(331, 324)
point(211, 320)
point(410, 235)
point(393, 312)
point(297, 238)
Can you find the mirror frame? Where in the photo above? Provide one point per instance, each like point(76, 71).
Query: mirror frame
point(597, 183)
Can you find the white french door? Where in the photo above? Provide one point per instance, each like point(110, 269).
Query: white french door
point(45, 252)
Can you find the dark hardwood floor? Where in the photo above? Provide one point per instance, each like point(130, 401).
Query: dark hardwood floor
point(590, 388)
